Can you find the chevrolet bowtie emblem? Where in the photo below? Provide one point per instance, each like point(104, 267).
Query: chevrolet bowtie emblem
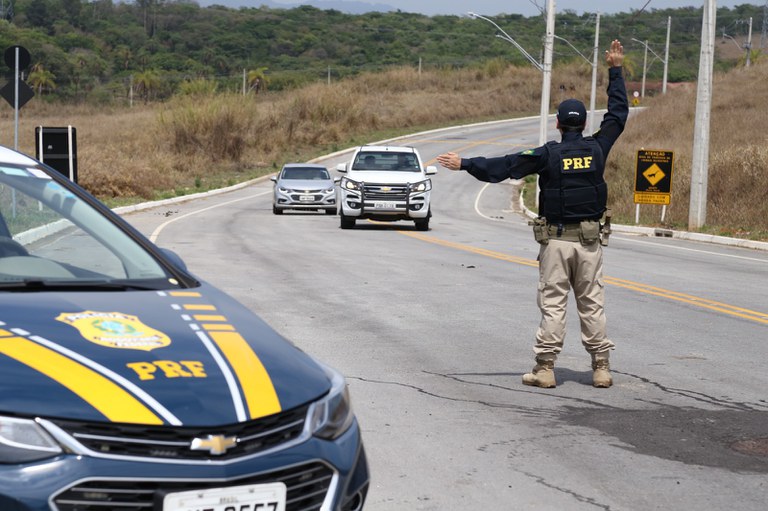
point(215, 444)
point(386, 188)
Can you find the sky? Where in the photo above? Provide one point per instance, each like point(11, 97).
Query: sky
point(525, 7)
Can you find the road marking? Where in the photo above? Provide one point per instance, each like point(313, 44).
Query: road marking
point(153, 237)
point(708, 252)
point(731, 310)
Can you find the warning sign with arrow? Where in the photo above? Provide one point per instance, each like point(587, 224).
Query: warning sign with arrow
point(653, 179)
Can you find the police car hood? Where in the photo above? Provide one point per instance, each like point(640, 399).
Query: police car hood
point(386, 176)
point(190, 357)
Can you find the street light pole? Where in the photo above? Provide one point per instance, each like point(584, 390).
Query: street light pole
point(645, 68)
point(545, 68)
point(656, 56)
point(549, 43)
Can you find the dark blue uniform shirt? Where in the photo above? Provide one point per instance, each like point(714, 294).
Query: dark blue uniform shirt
point(535, 161)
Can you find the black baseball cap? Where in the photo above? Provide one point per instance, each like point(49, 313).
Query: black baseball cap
point(572, 112)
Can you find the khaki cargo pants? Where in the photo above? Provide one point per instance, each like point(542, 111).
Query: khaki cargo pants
point(565, 265)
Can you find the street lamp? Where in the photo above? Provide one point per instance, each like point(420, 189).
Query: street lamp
point(545, 68)
point(508, 38)
point(656, 56)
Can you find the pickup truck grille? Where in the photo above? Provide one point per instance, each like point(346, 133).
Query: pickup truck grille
point(385, 192)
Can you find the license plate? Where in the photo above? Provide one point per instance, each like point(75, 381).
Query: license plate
point(306, 198)
point(253, 497)
point(384, 205)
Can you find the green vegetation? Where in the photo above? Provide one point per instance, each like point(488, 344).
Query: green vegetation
point(97, 50)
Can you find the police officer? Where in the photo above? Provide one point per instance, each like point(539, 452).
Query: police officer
point(571, 203)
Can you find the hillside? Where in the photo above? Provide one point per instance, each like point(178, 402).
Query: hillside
point(112, 52)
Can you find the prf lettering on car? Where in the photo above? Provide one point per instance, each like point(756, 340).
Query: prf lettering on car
point(577, 163)
point(169, 369)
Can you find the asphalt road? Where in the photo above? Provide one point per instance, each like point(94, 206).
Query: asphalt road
point(434, 330)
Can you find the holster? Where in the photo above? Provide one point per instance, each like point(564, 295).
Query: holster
point(605, 229)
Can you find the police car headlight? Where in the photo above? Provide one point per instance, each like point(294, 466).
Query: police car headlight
point(329, 190)
point(23, 440)
point(332, 416)
point(422, 186)
point(282, 189)
point(349, 184)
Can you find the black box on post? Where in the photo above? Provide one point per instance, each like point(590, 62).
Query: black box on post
point(57, 148)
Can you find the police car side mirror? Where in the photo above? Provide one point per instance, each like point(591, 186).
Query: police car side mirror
point(431, 169)
point(174, 258)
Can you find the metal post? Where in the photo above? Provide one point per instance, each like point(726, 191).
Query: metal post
point(645, 59)
point(697, 213)
point(16, 100)
point(749, 45)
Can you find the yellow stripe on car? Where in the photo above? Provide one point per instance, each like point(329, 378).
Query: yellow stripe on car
point(257, 387)
point(103, 394)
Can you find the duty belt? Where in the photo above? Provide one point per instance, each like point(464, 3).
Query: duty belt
point(564, 232)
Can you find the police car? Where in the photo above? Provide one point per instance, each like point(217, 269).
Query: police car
point(129, 384)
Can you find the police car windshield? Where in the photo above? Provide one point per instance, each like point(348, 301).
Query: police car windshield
point(50, 234)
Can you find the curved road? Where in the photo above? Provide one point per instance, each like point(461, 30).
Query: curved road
point(434, 330)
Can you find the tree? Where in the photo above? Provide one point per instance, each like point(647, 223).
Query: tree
point(41, 79)
point(257, 79)
point(146, 83)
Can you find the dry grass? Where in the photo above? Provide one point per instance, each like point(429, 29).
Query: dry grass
point(738, 156)
point(197, 142)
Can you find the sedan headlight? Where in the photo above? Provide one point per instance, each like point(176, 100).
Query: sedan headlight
point(348, 184)
point(332, 416)
point(422, 186)
point(23, 440)
point(329, 190)
point(283, 189)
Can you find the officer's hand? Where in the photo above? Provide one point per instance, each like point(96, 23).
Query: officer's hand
point(615, 55)
point(451, 161)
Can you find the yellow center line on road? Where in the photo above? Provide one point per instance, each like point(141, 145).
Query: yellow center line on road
point(731, 310)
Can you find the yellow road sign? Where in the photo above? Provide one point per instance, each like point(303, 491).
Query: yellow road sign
point(653, 177)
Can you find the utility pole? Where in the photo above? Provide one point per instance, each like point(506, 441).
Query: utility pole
point(666, 57)
point(594, 75)
point(697, 213)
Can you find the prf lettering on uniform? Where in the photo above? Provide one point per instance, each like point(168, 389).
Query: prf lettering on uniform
point(168, 369)
point(580, 163)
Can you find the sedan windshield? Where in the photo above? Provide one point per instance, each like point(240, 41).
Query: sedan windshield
point(386, 161)
point(306, 173)
point(49, 236)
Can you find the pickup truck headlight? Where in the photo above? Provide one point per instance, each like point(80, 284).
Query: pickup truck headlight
point(348, 184)
point(23, 441)
point(422, 186)
point(332, 415)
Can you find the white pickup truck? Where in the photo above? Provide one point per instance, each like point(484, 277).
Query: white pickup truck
point(385, 183)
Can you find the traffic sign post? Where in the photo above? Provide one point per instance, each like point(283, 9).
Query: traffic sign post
point(16, 93)
point(653, 179)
